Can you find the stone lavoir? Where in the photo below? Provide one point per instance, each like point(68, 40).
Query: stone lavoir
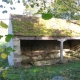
point(44, 52)
point(46, 43)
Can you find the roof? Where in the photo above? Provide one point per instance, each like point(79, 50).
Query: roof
point(34, 26)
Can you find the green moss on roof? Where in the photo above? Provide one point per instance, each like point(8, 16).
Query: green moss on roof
point(32, 26)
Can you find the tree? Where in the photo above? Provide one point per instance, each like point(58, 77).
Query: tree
point(67, 9)
point(4, 51)
point(8, 1)
point(7, 39)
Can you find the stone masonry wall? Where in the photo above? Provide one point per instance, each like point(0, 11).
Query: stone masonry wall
point(75, 49)
point(41, 52)
point(17, 52)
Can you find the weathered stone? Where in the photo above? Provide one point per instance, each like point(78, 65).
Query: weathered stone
point(73, 59)
point(36, 51)
point(64, 53)
point(60, 78)
point(25, 57)
point(17, 52)
point(47, 57)
point(19, 59)
point(17, 64)
point(26, 66)
point(51, 55)
point(64, 60)
point(37, 57)
point(56, 55)
point(46, 62)
point(17, 55)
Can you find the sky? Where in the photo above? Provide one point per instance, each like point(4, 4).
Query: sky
point(5, 11)
point(16, 8)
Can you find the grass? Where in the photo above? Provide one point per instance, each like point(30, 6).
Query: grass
point(70, 70)
point(32, 26)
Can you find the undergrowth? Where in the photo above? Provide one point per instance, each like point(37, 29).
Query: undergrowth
point(70, 70)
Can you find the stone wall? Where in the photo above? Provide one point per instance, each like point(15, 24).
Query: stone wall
point(41, 52)
point(17, 52)
point(75, 49)
point(44, 52)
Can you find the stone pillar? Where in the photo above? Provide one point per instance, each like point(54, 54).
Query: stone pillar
point(11, 56)
point(17, 52)
point(10, 44)
point(61, 48)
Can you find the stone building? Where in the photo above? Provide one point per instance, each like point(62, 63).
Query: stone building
point(40, 42)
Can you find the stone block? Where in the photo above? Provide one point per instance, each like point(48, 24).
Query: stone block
point(52, 56)
point(25, 57)
point(37, 57)
point(17, 64)
point(56, 55)
point(60, 78)
point(46, 62)
point(47, 57)
point(19, 59)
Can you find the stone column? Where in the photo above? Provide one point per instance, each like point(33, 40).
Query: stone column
point(61, 48)
point(10, 44)
point(17, 52)
point(11, 56)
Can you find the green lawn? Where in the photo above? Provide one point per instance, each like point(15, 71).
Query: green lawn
point(70, 70)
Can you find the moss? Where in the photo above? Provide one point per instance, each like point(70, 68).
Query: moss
point(31, 26)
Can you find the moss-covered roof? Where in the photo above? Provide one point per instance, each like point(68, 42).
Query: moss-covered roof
point(33, 26)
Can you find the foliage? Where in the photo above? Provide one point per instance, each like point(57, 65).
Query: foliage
point(8, 37)
point(4, 51)
point(8, 1)
point(3, 24)
point(70, 70)
point(66, 9)
point(47, 16)
point(1, 36)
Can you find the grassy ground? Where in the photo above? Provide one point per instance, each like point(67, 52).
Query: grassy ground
point(70, 70)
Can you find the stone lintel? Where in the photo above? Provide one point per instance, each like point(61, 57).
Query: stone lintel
point(45, 38)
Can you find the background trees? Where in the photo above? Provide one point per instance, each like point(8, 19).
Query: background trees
point(69, 9)
point(66, 9)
